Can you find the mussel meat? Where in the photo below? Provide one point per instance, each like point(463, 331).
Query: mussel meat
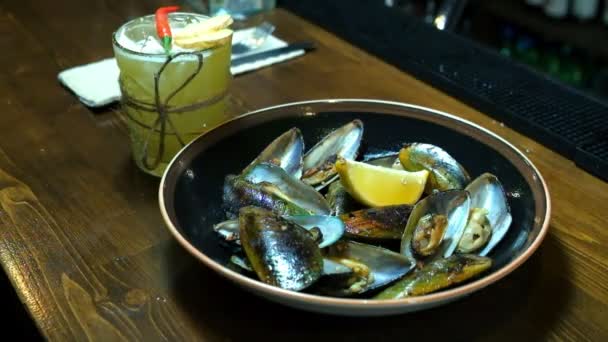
point(435, 225)
point(428, 234)
point(477, 231)
point(490, 216)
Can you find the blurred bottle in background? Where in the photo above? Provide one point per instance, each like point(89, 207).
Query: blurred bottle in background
point(585, 10)
point(240, 9)
point(582, 10)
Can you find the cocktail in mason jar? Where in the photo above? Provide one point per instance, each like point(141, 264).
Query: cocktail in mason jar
point(174, 87)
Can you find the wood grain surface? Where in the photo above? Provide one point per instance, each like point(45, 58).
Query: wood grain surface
point(84, 246)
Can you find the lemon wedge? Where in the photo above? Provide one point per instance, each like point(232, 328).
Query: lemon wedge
point(216, 23)
point(206, 40)
point(379, 186)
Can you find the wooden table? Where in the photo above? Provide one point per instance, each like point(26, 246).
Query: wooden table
point(83, 244)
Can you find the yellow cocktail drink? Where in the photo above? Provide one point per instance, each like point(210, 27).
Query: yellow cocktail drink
point(169, 98)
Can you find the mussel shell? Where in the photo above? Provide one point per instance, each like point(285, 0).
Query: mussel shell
point(330, 268)
point(286, 151)
point(241, 262)
point(436, 275)
point(380, 223)
point(281, 253)
point(332, 228)
point(487, 192)
point(228, 230)
point(384, 264)
point(344, 284)
point(292, 189)
point(239, 193)
point(334, 268)
point(453, 204)
point(339, 200)
point(445, 172)
point(390, 160)
point(318, 162)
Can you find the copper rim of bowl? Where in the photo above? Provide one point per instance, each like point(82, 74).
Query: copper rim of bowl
point(441, 296)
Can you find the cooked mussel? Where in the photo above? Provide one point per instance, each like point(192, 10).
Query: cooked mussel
point(339, 200)
point(357, 280)
point(286, 151)
point(435, 225)
point(390, 160)
point(476, 233)
point(373, 267)
point(319, 161)
point(489, 218)
point(269, 186)
point(331, 268)
point(293, 189)
point(429, 233)
point(239, 193)
point(280, 252)
point(445, 172)
point(438, 274)
point(330, 229)
point(292, 234)
point(380, 223)
point(228, 230)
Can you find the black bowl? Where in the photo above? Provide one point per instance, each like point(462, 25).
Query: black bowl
point(191, 188)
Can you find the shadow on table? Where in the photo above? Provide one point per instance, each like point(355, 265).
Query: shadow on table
point(525, 304)
point(17, 322)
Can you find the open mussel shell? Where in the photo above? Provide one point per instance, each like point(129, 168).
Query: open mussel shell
point(318, 162)
point(451, 205)
point(280, 252)
point(380, 223)
point(334, 268)
point(373, 267)
point(239, 193)
point(290, 188)
point(390, 160)
point(445, 172)
point(228, 230)
point(331, 268)
point(487, 192)
point(436, 275)
point(332, 228)
point(286, 151)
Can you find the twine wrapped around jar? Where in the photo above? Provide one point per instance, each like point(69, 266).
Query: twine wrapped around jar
point(164, 109)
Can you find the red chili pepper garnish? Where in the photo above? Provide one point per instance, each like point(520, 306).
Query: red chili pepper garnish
point(163, 30)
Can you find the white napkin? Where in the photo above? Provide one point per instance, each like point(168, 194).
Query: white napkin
point(96, 84)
